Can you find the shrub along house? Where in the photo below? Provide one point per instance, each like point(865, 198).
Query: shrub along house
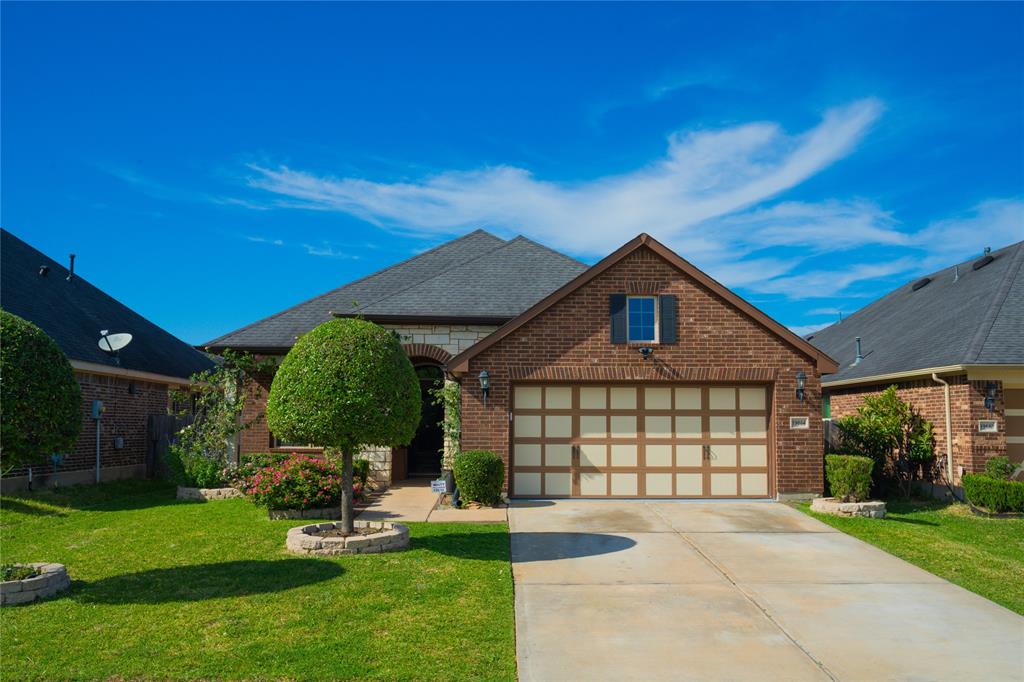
point(130, 386)
point(637, 377)
point(953, 345)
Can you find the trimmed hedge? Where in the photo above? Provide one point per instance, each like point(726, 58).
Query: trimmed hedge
point(479, 474)
point(41, 411)
point(994, 494)
point(1000, 467)
point(849, 476)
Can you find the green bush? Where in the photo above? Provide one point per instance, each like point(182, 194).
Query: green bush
point(479, 475)
point(17, 572)
point(41, 405)
point(300, 482)
point(1000, 467)
point(849, 476)
point(361, 472)
point(993, 494)
point(195, 470)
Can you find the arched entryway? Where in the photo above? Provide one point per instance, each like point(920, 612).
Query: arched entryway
point(427, 447)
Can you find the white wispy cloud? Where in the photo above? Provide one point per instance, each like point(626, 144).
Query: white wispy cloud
point(327, 251)
point(805, 329)
point(703, 175)
point(264, 240)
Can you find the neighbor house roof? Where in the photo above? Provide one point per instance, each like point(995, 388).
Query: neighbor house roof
point(460, 363)
point(477, 278)
point(939, 321)
point(73, 312)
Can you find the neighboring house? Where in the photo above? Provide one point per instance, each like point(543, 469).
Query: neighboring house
point(131, 387)
point(953, 344)
point(638, 377)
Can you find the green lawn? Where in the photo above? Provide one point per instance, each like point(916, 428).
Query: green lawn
point(165, 589)
point(981, 554)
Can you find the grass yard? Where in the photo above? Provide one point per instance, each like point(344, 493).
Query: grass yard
point(980, 554)
point(166, 589)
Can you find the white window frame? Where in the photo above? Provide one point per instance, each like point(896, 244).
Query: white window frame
point(657, 320)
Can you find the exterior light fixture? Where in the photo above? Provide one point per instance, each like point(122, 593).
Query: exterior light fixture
point(801, 383)
point(990, 396)
point(485, 384)
point(646, 352)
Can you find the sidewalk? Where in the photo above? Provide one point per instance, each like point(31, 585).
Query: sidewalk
point(411, 500)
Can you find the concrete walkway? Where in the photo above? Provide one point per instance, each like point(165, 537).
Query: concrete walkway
point(610, 590)
point(411, 500)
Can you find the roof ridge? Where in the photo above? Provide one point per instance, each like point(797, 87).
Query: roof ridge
point(548, 248)
point(985, 329)
point(213, 342)
point(428, 279)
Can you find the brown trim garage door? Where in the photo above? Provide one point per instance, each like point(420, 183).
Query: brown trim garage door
point(652, 441)
point(1014, 398)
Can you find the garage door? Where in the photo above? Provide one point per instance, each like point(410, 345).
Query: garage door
point(639, 441)
point(1014, 423)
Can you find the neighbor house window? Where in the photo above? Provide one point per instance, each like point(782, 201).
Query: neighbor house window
point(643, 321)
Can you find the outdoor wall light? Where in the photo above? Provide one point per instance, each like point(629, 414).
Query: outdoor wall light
point(485, 384)
point(645, 351)
point(990, 396)
point(801, 383)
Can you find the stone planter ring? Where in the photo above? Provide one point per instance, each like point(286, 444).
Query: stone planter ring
point(388, 537)
point(873, 509)
point(52, 578)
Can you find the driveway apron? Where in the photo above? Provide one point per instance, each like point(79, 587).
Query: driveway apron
point(630, 590)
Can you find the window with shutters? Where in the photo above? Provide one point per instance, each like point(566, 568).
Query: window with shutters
point(642, 314)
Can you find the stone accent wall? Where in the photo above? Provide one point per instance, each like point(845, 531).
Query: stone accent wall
point(971, 449)
point(126, 416)
point(453, 338)
point(716, 343)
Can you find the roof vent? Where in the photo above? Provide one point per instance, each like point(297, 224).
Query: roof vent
point(982, 262)
point(71, 268)
point(44, 270)
point(921, 283)
point(860, 355)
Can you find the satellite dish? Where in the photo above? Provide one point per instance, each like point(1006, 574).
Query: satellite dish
point(111, 343)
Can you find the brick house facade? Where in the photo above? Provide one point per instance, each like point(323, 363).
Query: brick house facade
point(717, 344)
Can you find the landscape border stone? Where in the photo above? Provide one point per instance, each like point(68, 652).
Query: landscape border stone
point(872, 509)
point(207, 494)
point(52, 578)
point(392, 537)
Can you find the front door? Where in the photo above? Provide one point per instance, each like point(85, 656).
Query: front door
point(427, 446)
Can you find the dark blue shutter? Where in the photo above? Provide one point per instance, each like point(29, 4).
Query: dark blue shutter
point(617, 313)
point(667, 317)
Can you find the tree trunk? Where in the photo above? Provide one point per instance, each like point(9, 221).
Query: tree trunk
point(347, 513)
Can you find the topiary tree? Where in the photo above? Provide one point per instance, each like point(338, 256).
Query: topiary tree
point(40, 399)
point(344, 385)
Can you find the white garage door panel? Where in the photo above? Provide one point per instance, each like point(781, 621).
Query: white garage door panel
point(640, 441)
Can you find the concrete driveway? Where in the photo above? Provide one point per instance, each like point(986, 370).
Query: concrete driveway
point(737, 591)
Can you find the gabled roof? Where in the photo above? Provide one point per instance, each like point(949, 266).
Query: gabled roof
point(73, 312)
point(460, 363)
point(475, 278)
point(976, 319)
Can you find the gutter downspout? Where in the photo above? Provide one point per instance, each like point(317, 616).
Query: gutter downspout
point(949, 429)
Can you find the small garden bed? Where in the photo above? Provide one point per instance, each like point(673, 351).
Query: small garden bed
point(26, 583)
point(328, 539)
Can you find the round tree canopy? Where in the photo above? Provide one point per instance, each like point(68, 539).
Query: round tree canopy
point(345, 384)
point(40, 399)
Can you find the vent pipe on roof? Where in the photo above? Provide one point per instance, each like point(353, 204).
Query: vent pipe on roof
point(988, 250)
point(44, 270)
point(956, 273)
point(71, 268)
point(860, 356)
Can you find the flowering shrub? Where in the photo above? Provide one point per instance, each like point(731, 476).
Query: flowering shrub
point(300, 482)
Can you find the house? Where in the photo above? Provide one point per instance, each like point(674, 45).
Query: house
point(637, 377)
point(953, 344)
point(131, 385)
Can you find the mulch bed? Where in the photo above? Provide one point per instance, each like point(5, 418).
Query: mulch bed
point(338, 533)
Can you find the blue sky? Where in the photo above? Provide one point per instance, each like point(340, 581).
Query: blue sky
point(213, 164)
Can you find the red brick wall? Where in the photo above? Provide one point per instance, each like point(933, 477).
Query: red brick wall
point(257, 437)
point(717, 343)
point(971, 449)
point(126, 416)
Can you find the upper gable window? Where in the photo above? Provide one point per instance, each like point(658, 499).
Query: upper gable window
point(643, 318)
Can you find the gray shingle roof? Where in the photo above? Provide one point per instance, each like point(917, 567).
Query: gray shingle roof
point(73, 313)
point(978, 319)
point(477, 276)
